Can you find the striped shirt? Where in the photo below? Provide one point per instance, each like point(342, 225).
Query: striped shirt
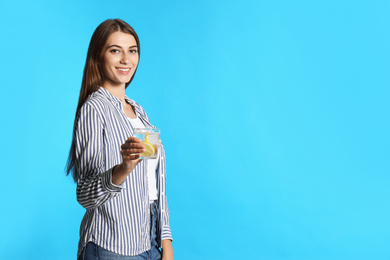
point(117, 217)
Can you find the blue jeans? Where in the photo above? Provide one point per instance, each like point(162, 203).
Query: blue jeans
point(94, 252)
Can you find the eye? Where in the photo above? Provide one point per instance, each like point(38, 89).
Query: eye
point(114, 51)
point(133, 51)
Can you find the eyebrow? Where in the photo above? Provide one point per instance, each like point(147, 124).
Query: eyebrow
point(117, 46)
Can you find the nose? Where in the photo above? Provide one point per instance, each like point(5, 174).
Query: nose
point(125, 58)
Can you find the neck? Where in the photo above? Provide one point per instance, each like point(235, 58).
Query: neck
point(117, 91)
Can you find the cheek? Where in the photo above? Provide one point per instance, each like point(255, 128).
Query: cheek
point(111, 60)
point(135, 60)
point(105, 70)
point(109, 66)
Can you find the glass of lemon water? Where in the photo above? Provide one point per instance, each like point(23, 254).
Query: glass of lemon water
point(151, 139)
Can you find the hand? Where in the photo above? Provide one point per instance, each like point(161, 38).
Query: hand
point(130, 152)
point(167, 250)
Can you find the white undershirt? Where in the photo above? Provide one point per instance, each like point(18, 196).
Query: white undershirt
point(151, 164)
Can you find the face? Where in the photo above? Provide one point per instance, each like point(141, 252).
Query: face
point(120, 59)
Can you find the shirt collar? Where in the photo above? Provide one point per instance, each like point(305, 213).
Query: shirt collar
point(114, 99)
point(108, 95)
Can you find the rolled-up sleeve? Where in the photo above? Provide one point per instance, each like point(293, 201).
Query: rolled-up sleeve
point(94, 185)
point(165, 227)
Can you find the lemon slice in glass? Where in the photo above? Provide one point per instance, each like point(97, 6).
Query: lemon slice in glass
point(149, 149)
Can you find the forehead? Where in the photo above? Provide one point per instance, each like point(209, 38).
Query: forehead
point(121, 39)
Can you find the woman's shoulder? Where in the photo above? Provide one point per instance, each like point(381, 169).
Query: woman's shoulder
point(97, 102)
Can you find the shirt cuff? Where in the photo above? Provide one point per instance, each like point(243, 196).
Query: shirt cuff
point(107, 182)
point(166, 233)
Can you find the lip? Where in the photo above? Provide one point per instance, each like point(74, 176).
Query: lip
point(123, 70)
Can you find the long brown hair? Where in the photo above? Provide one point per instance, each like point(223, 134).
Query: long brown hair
point(92, 77)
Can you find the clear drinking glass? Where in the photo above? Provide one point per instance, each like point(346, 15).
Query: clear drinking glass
point(151, 139)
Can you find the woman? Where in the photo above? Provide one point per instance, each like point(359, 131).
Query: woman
point(127, 213)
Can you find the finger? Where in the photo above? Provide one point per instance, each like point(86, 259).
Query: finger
point(133, 139)
point(132, 151)
point(139, 148)
point(131, 157)
point(132, 146)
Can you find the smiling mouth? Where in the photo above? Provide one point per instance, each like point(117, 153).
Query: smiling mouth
point(124, 70)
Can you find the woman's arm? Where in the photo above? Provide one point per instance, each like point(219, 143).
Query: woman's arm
point(94, 185)
point(167, 250)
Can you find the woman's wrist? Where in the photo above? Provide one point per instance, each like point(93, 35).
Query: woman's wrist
point(120, 172)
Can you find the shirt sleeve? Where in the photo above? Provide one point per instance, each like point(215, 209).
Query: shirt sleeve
point(94, 185)
point(165, 227)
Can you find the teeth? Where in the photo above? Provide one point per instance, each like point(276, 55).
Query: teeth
point(125, 70)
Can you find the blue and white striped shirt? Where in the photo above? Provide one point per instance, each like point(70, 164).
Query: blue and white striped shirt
point(117, 217)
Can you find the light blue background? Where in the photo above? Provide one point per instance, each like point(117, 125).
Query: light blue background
point(274, 115)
